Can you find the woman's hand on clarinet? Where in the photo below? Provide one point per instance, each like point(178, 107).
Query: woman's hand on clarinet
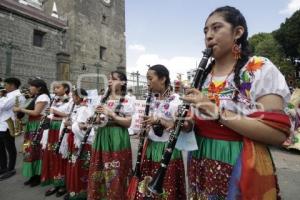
point(195, 97)
point(67, 123)
point(48, 110)
point(169, 125)
point(150, 120)
point(17, 109)
point(106, 111)
point(83, 126)
point(200, 101)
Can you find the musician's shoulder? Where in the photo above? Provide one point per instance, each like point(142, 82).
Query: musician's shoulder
point(43, 98)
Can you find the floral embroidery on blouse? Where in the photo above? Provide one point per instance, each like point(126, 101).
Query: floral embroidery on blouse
point(126, 106)
point(165, 105)
point(247, 77)
point(255, 63)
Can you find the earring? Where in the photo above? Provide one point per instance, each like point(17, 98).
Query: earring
point(236, 51)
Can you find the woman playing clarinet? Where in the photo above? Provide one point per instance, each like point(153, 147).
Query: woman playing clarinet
point(77, 166)
point(111, 160)
point(163, 109)
point(54, 166)
point(32, 165)
point(238, 112)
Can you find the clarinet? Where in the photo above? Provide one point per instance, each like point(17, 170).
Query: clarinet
point(137, 171)
point(156, 184)
point(42, 125)
point(93, 120)
point(64, 131)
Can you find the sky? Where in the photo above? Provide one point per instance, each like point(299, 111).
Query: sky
point(170, 32)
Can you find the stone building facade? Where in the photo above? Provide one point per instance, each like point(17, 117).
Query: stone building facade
point(87, 37)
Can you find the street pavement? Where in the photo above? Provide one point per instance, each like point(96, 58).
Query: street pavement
point(287, 164)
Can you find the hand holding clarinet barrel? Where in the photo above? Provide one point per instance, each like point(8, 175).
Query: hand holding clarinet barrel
point(43, 125)
point(67, 122)
point(111, 149)
point(95, 119)
point(159, 123)
point(156, 184)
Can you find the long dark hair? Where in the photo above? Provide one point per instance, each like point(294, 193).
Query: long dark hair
point(122, 77)
point(162, 72)
point(234, 17)
point(38, 83)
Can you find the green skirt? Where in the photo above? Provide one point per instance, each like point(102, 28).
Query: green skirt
point(111, 164)
point(174, 180)
point(210, 167)
point(32, 164)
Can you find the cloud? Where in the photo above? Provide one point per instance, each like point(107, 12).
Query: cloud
point(292, 6)
point(136, 47)
point(177, 64)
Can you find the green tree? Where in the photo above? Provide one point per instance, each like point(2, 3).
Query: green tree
point(264, 44)
point(288, 35)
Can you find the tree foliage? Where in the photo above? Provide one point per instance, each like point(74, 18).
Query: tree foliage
point(264, 44)
point(288, 35)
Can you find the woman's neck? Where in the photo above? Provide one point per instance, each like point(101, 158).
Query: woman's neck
point(223, 66)
point(115, 94)
point(162, 93)
point(60, 96)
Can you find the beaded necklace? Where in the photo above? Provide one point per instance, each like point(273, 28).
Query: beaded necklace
point(215, 90)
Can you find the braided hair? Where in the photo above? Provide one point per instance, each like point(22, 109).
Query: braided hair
point(234, 17)
point(122, 77)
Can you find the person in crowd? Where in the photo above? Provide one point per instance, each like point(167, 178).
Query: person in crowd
point(35, 109)
point(53, 165)
point(111, 159)
point(8, 152)
point(239, 110)
point(78, 148)
point(161, 121)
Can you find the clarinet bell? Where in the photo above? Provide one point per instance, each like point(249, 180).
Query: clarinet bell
point(156, 185)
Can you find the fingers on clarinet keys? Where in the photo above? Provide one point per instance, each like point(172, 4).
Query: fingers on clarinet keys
point(83, 126)
point(101, 120)
point(147, 120)
point(48, 110)
point(100, 109)
point(191, 91)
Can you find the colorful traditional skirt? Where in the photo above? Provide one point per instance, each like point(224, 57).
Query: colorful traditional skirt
point(229, 166)
point(210, 168)
point(174, 182)
point(111, 164)
point(54, 166)
point(77, 170)
point(32, 164)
